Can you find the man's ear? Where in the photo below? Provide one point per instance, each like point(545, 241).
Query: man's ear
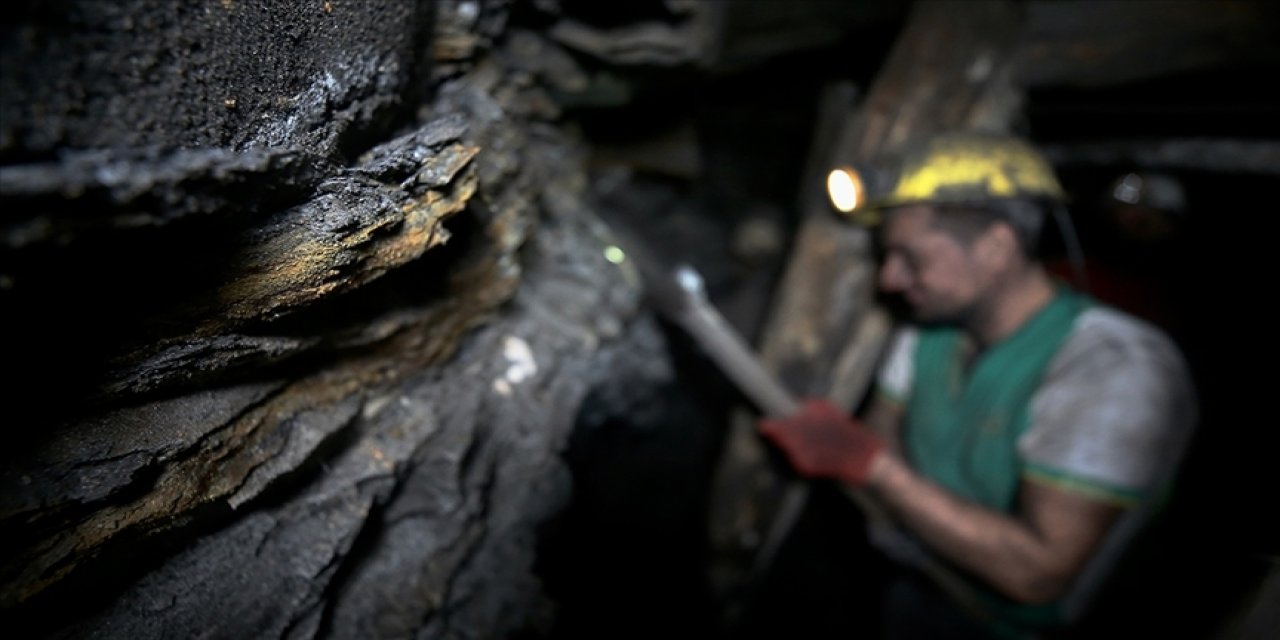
point(997, 245)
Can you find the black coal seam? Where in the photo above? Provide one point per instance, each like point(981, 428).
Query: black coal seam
point(383, 121)
point(478, 511)
point(342, 561)
point(363, 547)
point(378, 296)
point(471, 549)
point(287, 485)
point(419, 90)
point(143, 480)
point(100, 577)
point(94, 462)
point(281, 182)
point(47, 524)
point(119, 562)
point(243, 369)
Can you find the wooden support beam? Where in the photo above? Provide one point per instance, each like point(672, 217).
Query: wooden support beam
point(1219, 155)
point(951, 67)
point(1094, 44)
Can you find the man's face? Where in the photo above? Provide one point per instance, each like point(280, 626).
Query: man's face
point(934, 272)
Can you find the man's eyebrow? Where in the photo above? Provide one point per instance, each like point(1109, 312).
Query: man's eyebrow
point(888, 245)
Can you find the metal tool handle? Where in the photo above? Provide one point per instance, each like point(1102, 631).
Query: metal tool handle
point(722, 343)
point(727, 348)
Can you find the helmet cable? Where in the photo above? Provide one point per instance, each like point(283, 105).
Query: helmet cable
point(1074, 251)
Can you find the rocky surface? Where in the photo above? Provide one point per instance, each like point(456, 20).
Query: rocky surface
point(303, 300)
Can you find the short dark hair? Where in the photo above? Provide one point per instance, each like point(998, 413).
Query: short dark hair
point(965, 221)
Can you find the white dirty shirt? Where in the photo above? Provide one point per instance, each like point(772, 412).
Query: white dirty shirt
point(1111, 419)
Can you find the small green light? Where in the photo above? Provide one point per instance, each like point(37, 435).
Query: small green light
point(614, 254)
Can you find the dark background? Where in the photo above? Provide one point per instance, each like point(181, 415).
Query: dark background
point(628, 558)
point(642, 497)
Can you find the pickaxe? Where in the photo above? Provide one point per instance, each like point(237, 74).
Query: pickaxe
point(680, 296)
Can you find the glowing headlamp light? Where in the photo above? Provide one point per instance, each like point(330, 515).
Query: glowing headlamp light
point(846, 189)
point(859, 191)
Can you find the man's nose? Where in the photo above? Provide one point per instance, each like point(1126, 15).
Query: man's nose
point(892, 276)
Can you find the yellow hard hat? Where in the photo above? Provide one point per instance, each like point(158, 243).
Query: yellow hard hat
point(957, 167)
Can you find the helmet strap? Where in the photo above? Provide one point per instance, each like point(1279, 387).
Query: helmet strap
point(1074, 251)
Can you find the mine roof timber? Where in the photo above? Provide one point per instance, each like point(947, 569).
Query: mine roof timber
point(1063, 43)
point(1100, 43)
point(1222, 155)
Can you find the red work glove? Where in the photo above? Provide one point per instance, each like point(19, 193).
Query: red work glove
point(823, 441)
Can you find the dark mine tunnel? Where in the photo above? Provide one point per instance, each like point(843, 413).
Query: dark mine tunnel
point(336, 319)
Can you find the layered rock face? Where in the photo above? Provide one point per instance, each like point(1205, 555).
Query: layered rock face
point(301, 303)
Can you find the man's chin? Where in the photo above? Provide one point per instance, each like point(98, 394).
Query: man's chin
point(927, 316)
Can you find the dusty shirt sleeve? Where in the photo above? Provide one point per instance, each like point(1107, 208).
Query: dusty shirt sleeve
point(1114, 413)
point(897, 371)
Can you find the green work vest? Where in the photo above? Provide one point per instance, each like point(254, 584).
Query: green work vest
point(962, 426)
